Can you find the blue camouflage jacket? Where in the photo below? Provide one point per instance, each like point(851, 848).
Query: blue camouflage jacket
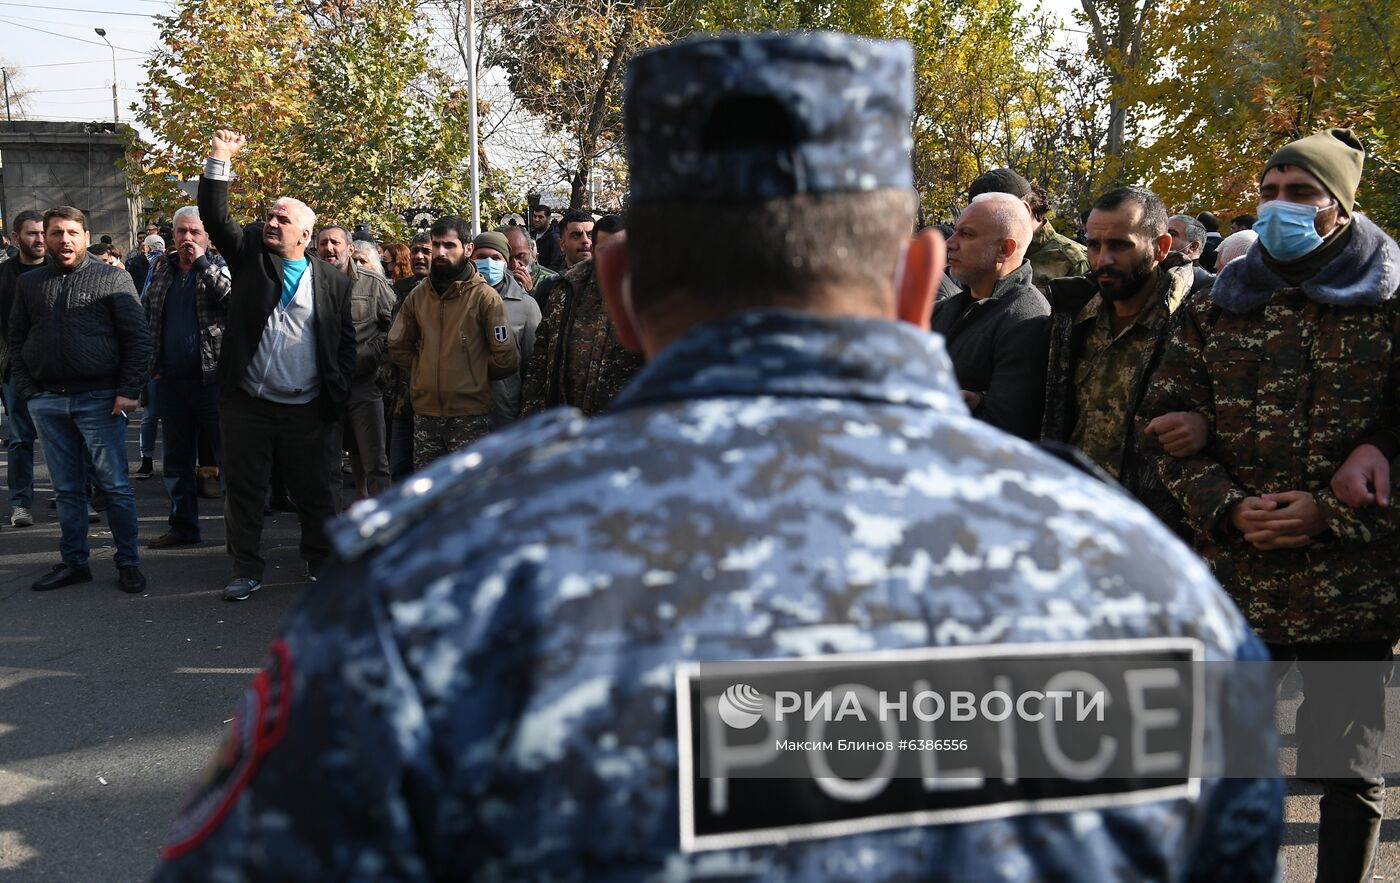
point(482, 685)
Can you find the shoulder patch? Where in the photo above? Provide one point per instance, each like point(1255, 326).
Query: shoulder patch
point(258, 724)
point(502, 333)
point(375, 523)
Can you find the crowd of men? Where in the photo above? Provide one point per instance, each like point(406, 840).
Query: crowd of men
point(386, 356)
point(1244, 389)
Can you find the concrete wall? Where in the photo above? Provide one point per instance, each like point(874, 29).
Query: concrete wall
point(44, 164)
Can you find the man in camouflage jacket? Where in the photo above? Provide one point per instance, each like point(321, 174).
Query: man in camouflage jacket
point(577, 360)
point(1099, 372)
point(1293, 361)
point(1054, 256)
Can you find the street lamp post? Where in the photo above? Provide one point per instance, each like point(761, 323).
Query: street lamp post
point(473, 146)
point(101, 32)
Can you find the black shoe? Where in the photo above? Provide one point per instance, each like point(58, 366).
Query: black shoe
point(146, 469)
point(62, 575)
point(282, 504)
point(172, 540)
point(313, 571)
point(131, 580)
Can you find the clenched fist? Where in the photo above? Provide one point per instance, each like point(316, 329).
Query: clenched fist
point(1364, 478)
point(1182, 433)
point(227, 142)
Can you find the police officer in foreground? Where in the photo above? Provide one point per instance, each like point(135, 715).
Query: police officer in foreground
point(488, 689)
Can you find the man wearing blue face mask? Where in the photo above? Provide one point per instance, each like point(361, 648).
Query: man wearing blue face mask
point(491, 253)
point(1293, 362)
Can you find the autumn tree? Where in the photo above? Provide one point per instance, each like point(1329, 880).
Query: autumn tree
point(1066, 126)
point(337, 98)
point(972, 85)
point(1118, 31)
point(237, 64)
point(1248, 76)
point(384, 123)
point(565, 64)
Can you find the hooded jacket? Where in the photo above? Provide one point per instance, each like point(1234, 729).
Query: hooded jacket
point(1292, 378)
point(453, 344)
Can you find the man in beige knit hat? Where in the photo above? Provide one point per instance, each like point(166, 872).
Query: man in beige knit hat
point(1293, 362)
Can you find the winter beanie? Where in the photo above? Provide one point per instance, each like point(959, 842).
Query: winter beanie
point(1333, 156)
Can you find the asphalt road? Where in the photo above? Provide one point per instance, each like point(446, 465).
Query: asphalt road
point(112, 704)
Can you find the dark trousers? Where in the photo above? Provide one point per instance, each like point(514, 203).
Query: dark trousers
point(22, 436)
point(189, 410)
point(361, 432)
point(253, 430)
point(207, 457)
point(400, 447)
point(1341, 723)
point(435, 437)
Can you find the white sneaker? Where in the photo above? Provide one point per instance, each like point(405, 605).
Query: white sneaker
point(21, 517)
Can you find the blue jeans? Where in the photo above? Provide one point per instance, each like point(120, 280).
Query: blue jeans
point(20, 448)
point(187, 408)
point(72, 426)
point(150, 422)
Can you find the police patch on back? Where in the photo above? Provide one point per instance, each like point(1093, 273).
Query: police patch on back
point(827, 746)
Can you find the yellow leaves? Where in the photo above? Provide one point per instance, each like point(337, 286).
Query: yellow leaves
point(260, 65)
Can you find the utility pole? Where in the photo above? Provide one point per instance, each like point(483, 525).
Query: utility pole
point(471, 116)
point(9, 117)
point(116, 117)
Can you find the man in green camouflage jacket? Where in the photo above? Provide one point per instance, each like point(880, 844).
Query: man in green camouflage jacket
point(1108, 332)
point(1293, 361)
point(1051, 255)
point(577, 360)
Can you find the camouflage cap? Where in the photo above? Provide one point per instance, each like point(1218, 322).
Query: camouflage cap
point(752, 118)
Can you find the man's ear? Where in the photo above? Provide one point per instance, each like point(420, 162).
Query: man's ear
point(917, 285)
point(1008, 248)
point(613, 265)
point(1164, 246)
